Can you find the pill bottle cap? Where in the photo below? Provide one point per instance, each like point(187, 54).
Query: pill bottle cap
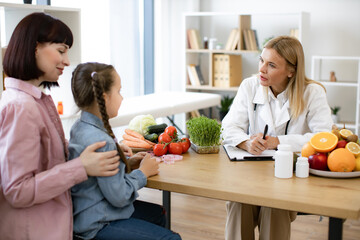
point(284, 147)
point(302, 159)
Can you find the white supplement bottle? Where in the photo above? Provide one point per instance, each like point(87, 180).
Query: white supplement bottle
point(302, 167)
point(284, 161)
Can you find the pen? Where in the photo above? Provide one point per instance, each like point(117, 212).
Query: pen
point(265, 131)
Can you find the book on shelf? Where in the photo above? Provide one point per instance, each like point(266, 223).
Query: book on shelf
point(235, 42)
point(230, 40)
point(256, 40)
point(217, 69)
point(250, 39)
point(246, 39)
point(193, 37)
point(294, 32)
point(199, 75)
point(227, 70)
point(193, 76)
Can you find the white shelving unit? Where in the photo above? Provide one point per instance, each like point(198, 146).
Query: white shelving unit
point(11, 14)
point(345, 92)
point(219, 25)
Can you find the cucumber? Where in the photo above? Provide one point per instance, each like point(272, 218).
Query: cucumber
point(159, 128)
point(151, 137)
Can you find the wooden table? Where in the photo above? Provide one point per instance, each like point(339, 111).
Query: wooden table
point(214, 176)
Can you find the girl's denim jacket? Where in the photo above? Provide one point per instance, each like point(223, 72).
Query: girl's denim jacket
point(100, 200)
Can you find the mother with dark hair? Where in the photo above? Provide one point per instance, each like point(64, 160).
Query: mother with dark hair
point(35, 177)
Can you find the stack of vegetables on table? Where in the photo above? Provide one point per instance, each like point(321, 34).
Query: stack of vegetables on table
point(144, 132)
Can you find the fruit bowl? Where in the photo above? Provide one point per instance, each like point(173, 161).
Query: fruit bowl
point(330, 174)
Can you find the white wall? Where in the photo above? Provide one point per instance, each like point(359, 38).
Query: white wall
point(110, 34)
point(335, 24)
point(169, 42)
point(334, 30)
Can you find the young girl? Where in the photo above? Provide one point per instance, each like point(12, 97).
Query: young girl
point(106, 207)
point(35, 178)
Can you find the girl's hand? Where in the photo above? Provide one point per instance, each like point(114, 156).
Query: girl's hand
point(149, 166)
point(135, 160)
point(101, 164)
point(126, 149)
point(255, 145)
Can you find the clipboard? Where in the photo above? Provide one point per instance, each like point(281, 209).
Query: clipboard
point(237, 154)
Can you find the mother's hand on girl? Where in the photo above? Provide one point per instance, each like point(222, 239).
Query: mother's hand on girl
point(101, 164)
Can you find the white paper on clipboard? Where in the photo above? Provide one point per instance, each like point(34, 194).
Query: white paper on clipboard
point(237, 154)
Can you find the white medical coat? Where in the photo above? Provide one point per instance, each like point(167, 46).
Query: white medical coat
point(242, 120)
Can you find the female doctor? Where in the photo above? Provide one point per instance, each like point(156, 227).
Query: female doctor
point(294, 108)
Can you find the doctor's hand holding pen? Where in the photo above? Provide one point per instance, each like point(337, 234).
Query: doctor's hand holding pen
point(259, 142)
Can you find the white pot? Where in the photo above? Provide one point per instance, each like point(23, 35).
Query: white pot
point(335, 118)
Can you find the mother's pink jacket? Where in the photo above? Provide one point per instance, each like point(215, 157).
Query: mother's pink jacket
point(35, 202)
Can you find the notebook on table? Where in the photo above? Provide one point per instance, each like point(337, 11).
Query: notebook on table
point(237, 154)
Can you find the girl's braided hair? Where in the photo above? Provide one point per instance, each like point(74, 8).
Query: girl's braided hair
point(88, 83)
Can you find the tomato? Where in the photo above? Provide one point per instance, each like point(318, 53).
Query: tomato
point(160, 149)
point(164, 138)
point(175, 148)
point(185, 144)
point(171, 131)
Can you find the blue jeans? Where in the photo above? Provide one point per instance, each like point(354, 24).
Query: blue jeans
point(146, 223)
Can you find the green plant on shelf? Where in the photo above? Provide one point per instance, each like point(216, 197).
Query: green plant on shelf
point(335, 110)
point(266, 40)
point(225, 105)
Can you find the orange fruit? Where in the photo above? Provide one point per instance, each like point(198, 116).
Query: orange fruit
point(307, 150)
point(354, 148)
point(357, 164)
point(344, 133)
point(341, 160)
point(324, 141)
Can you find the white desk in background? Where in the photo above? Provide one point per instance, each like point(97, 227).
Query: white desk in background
point(163, 104)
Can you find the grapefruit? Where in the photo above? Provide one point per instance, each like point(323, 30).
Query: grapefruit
point(354, 148)
point(344, 133)
point(341, 160)
point(357, 164)
point(307, 150)
point(324, 141)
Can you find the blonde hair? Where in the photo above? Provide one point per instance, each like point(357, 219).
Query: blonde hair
point(292, 51)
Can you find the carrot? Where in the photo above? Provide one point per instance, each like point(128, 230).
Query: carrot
point(138, 144)
point(150, 142)
point(134, 139)
point(134, 134)
point(131, 138)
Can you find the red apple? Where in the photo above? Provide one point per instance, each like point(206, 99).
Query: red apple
point(341, 144)
point(318, 161)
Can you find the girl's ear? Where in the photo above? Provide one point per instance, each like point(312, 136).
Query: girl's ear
point(106, 98)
